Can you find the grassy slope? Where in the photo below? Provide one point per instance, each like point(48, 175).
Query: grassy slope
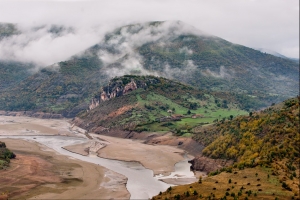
point(142, 109)
point(264, 146)
point(250, 183)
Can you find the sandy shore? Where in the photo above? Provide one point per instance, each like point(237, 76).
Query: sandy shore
point(159, 158)
point(38, 174)
point(21, 125)
point(72, 178)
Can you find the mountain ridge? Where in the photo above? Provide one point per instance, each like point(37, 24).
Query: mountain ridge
point(207, 62)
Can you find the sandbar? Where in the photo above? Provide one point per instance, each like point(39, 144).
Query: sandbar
point(39, 174)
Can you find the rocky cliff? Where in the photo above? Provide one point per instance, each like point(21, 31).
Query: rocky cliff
point(205, 164)
point(121, 86)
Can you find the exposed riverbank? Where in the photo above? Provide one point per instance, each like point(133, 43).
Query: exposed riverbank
point(39, 172)
point(160, 159)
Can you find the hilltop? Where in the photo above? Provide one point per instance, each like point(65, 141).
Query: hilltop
point(264, 147)
point(170, 49)
point(149, 103)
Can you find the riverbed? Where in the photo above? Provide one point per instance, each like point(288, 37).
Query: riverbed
point(141, 184)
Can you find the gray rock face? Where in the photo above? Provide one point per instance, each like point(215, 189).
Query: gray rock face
point(205, 164)
point(115, 90)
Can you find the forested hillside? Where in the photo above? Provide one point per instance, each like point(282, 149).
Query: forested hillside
point(265, 150)
point(170, 49)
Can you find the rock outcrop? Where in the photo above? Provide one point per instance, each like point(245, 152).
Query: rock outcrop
point(121, 86)
point(205, 164)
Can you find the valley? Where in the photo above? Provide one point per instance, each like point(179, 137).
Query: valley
point(152, 110)
point(37, 143)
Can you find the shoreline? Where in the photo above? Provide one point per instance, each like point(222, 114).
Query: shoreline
point(97, 181)
point(160, 159)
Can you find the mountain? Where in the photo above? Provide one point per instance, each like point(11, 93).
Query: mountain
point(264, 147)
point(178, 51)
point(274, 53)
point(7, 30)
point(12, 73)
point(64, 88)
point(169, 49)
point(149, 103)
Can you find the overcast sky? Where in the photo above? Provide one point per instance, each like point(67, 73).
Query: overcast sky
point(270, 24)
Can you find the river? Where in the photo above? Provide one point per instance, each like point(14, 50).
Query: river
point(141, 182)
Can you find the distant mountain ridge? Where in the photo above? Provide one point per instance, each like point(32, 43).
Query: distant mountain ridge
point(274, 53)
point(169, 49)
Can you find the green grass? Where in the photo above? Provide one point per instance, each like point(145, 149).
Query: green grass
point(208, 111)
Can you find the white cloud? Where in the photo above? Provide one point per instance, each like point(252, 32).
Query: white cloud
point(270, 24)
point(223, 73)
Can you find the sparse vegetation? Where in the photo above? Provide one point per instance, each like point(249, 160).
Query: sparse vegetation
point(5, 155)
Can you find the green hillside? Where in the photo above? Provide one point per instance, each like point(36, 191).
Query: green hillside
point(64, 89)
point(12, 73)
point(157, 104)
point(203, 60)
point(262, 137)
point(265, 150)
point(173, 50)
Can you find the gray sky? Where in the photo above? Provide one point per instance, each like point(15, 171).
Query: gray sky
point(270, 24)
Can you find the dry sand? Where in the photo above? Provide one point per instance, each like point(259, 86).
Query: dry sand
point(21, 125)
point(77, 179)
point(41, 174)
point(159, 158)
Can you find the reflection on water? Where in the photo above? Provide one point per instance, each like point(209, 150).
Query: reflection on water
point(141, 183)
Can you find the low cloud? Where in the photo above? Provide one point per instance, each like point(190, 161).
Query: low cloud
point(222, 73)
point(43, 47)
point(126, 41)
point(255, 24)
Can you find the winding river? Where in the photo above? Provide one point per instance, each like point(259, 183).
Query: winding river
point(141, 183)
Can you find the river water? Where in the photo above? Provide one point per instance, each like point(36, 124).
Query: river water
point(141, 183)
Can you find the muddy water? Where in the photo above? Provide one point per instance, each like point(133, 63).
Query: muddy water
point(141, 182)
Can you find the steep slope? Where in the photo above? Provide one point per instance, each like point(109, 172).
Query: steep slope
point(259, 138)
point(12, 73)
point(265, 150)
point(149, 103)
point(169, 49)
point(63, 88)
point(181, 52)
point(274, 53)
